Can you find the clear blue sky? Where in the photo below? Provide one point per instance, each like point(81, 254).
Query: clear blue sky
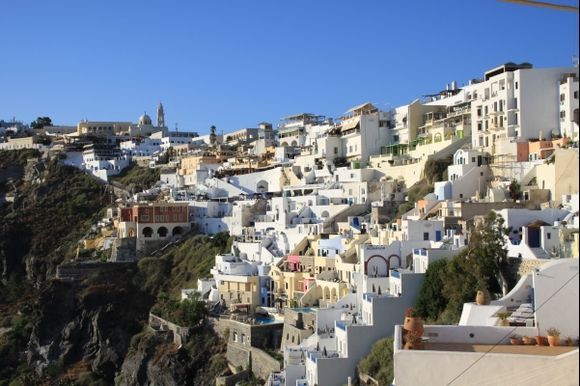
point(237, 63)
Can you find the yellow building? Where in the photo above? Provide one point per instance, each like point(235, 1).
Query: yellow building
point(239, 291)
point(190, 164)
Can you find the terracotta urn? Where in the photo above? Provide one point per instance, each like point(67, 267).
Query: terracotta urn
point(553, 341)
point(413, 341)
point(415, 324)
point(480, 298)
point(540, 340)
point(515, 341)
point(528, 340)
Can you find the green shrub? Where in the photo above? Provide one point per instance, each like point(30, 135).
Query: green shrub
point(379, 363)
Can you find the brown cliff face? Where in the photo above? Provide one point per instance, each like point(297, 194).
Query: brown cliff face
point(53, 331)
point(90, 322)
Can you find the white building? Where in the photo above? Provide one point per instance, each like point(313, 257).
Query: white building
point(478, 350)
point(467, 177)
point(515, 103)
point(141, 147)
point(569, 105)
point(103, 162)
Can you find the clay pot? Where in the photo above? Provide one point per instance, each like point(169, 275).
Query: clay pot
point(413, 341)
point(414, 346)
point(414, 324)
point(515, 341)
point(540, 340)
point(480, 298)
point(553, 341)
point(528, 340)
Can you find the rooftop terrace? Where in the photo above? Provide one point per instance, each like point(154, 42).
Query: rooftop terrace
point(501, 348)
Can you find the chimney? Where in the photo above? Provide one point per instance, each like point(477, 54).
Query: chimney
point(299, 321)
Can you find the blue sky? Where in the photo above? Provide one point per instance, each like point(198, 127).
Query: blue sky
point(236, 63)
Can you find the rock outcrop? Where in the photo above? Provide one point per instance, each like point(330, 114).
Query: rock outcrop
point(90, 322)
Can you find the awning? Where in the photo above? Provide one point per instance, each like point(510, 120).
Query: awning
point(349, 124)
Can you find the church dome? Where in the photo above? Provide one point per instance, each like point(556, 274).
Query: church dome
point(145, 119)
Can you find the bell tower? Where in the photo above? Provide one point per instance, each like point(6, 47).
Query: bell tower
point(160, 116)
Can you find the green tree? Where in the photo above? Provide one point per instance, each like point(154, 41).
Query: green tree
point(479, 267)
point(435, 169)
point(430, 302)
point(515, 190)
point(379, 363)
point(40, 122)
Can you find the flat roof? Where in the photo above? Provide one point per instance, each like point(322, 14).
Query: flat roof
point(501, 348)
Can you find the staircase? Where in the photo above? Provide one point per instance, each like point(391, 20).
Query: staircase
point(522, 314)
point(540, 253)
point(342, 216)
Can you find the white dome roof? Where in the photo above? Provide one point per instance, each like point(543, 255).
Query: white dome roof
point(144, 119)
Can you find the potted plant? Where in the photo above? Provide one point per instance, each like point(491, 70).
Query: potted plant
point(528, 340)
point(413, 322)
point(503, 318)
point(553, 336)
point(515, 340)
point(413, 341)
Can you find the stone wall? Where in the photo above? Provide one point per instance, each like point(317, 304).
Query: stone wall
point(232, 380)
point(259, 361)
point(259, 335)
point(385, 213)
point(518, 268)
point(238, 355)
point(123, 249)
point(180, 334)
point(263, 364)
point(294, 331)
point(83, 270)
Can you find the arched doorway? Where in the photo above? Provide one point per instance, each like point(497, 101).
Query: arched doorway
point(162, 232)
point(262, 186)
point(326, 293)
point(376, 265)
point(177, 231)
point(147, 232)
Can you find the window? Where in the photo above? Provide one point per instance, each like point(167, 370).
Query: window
point(336, 150)
point(516, 85)
point(562, 98)
point(425, 236)
point(575, 94)
point(479, 111)
point(562, 115)
point(548, 235)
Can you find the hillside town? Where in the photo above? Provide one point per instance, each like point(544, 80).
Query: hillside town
point(337, 223)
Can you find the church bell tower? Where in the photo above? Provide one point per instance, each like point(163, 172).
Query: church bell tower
point(160, 116)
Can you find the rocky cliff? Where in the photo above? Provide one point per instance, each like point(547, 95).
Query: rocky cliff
point(91, 332)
